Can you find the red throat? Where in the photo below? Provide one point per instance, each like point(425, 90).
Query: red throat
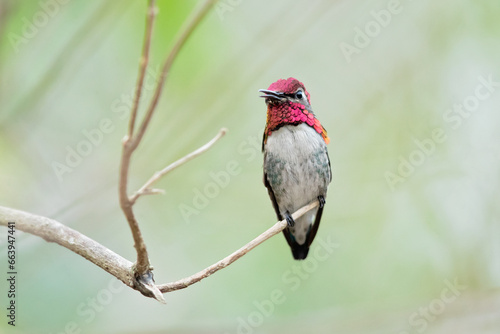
point(292, 113)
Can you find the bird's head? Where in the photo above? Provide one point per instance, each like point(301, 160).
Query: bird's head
point(286, 92)
point(289, 103)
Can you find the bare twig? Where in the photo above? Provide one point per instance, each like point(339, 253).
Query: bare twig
point(53, 231)
point(143, 64)
point(275, 229)
point(142, 267)
point(186, 31)
point(142, 264)
point(153, 191)
point(146, 188)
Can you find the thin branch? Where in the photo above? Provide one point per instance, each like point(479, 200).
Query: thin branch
point(53, 231)
point(141, 270)
point(275, 229)
point(146, 188)
point(143, 64)
point(153, 191)
point(130, 143)
point(180, 40)
point(142, 264)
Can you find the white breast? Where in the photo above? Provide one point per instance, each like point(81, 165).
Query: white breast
point(297, 168)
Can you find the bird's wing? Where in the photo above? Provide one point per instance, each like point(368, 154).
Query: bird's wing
point(314, 227)
point(271, 194)
point(329, 166)
point(319, 213)
point(292, 243)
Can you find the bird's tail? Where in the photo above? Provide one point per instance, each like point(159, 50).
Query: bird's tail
point(300, 251)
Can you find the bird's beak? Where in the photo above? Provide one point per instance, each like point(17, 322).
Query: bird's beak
point(271, 95)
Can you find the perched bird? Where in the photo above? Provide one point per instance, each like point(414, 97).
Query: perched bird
point(296, 163)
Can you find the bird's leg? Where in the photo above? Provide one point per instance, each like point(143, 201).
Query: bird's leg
point(289, 219)
point(321, 200)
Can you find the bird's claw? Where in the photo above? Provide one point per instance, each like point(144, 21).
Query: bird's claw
point(289, 219)
point(321, 200)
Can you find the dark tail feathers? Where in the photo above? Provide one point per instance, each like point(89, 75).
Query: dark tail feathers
point(300, 251)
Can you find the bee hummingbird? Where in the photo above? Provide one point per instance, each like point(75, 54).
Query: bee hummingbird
point(296, 163)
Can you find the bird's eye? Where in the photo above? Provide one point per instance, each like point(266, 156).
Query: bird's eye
point(299, 95)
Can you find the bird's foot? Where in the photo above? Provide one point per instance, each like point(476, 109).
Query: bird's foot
point(321, 200)
point(289, 219)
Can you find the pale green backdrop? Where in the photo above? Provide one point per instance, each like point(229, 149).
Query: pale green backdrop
point(409, 92)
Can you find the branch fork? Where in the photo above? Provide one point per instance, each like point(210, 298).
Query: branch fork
point(142, 268)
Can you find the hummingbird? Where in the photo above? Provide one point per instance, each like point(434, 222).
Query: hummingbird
point(296, 164)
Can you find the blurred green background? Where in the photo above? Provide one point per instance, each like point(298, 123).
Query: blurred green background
point(412, 210)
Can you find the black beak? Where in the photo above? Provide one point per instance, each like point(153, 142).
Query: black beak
point(270, 94)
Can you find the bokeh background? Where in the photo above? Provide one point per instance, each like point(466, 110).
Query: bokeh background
point(415, 230)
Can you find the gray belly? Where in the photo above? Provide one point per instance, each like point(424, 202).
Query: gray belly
point(297, 167)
